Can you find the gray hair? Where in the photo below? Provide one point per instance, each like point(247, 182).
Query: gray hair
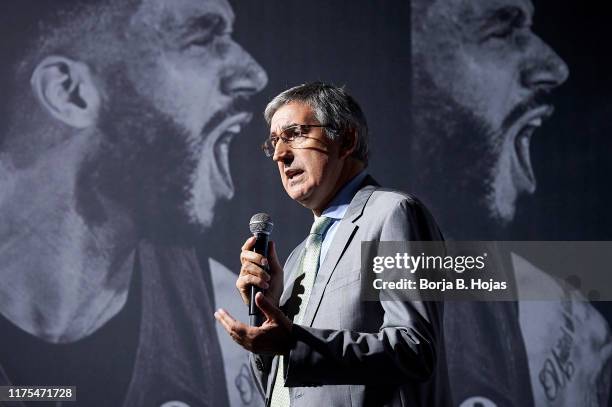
point(333, 107)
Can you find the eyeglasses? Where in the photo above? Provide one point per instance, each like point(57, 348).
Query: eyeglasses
point(293, 136)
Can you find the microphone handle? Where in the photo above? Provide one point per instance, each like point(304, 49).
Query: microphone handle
point(261, 247)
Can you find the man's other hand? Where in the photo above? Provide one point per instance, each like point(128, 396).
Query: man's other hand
point(272, 337)
point(256, 270)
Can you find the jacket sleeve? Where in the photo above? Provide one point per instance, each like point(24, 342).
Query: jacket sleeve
point(404, 348)
point(261, 366)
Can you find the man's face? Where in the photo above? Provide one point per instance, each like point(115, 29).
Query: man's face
point(173, 106)
point(310, 171)
point(481, 78)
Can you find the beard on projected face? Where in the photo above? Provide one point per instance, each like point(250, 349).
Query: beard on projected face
point(166, 178)
point(468, 171)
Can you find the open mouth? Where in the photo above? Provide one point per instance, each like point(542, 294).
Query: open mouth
point(221, 138)
point(294, 176)
point(523, 130)
point(291, 174)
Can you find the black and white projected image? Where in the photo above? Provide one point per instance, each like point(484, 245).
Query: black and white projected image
point(130, 167)
point(116, 122)
point(484, 83)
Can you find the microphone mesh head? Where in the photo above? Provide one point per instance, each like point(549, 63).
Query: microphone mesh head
point(261, 223)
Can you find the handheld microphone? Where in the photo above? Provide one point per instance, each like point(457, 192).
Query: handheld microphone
point(261, 226)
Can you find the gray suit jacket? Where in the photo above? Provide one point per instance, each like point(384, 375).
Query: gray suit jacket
point(351, 352)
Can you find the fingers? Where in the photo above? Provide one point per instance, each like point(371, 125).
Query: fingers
point(225, 320)
point(251, 274)
point(248, 245)
point(252, 257)
point(249, 256)
point(236, 329)
point(270, 311)
point(245, 280)
point(273, 338)
point(254, 270)
point(254, 264)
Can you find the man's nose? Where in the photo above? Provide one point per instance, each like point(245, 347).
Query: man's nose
point(243, 75)
point(543, 69)
point(282, 153)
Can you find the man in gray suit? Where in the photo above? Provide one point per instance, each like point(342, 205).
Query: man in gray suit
point(322, 344)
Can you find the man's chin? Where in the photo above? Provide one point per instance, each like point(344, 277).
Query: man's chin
point(306, 200)
point(297, 193)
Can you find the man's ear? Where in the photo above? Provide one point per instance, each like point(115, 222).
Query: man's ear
point(349, 143)
point(65, 88)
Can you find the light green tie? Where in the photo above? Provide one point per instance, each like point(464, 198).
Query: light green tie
point(309, 266)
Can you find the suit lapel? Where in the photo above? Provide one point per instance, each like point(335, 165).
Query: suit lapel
point(342, 239)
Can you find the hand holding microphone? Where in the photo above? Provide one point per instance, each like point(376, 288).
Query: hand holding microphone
point(261, 275)
point(261, 270)
point(260, 284)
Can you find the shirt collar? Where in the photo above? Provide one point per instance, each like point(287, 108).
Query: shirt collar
point(339, 205)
